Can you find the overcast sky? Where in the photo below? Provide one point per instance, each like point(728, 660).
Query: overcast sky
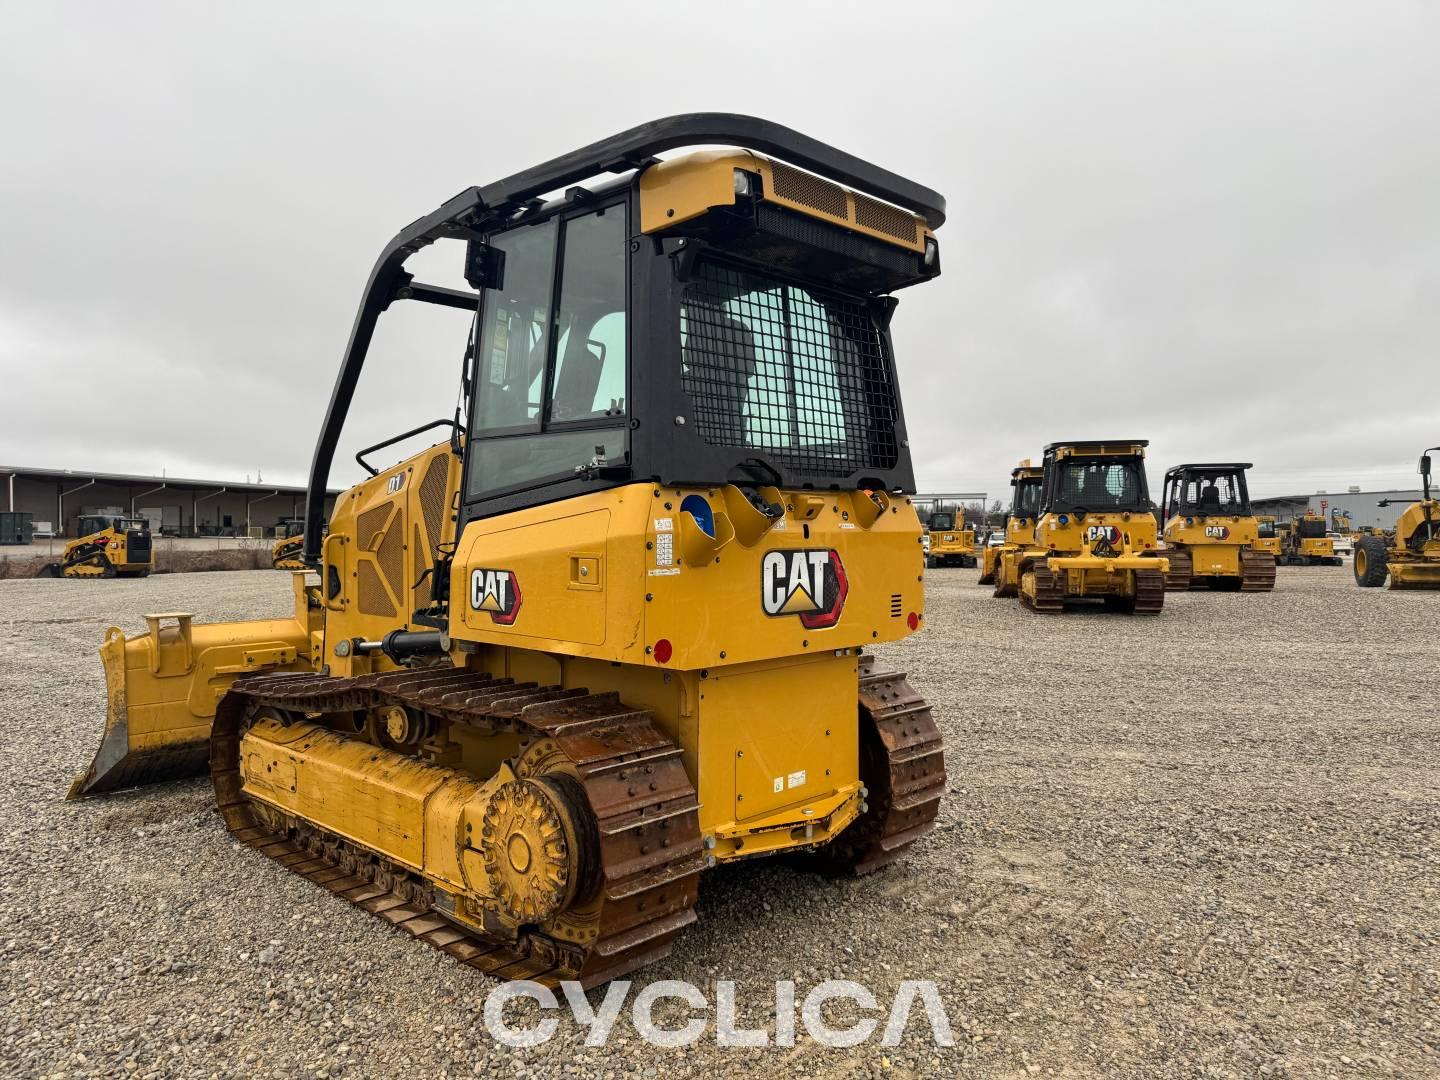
point(1213, 225)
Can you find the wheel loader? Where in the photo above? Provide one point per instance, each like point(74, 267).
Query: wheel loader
point(1096, 533)
point(951, 542)
point(106, 547)
point(1411, 557)
point(1304, 541)
point(609, 631)
point(289, 548)
point(1025, 482)
point(1209, 533)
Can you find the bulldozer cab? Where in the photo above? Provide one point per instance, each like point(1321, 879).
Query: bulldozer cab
point(1026, 482)
point(716, 317)
point(1095, 478)
point(1201, 491)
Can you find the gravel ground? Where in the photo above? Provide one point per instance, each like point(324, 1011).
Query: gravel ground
point(1198, 845)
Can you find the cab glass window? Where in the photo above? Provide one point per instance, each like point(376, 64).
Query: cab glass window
point(551, 364)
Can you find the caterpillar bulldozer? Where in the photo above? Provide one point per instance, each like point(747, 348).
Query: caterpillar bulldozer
point(1267, 536)
point(1410, 558)
point(1025, 484)
point(289, 549)
point(106, 547)
point(951, 542)
point(1209, 532)
point(607, 632)
point(1095, 536)
point(1305, 541)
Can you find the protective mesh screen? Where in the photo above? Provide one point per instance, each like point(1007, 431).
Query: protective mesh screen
point(795, 375)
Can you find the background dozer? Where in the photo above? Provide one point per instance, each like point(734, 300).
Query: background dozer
point(1209, 532)
point(289, 549)
point(1095, 537)
point(1304, 541)
point(1025, 483)
point(106, 547)
point(951, 542)
point(1411, 558)
point(608, 632)
point(1267, 536)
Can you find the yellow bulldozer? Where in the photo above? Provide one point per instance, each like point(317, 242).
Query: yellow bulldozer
point(1095, 536)
point(1267, 536)
point(1305, 541)
point(106, 547)
point(1025, 483)
point(1411, 556)
point(951, 542)
point(1209, 533)
point(289, 548)
point(609, 632)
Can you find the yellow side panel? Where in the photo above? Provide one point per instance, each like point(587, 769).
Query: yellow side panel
point(343, 785)
point(777, 737)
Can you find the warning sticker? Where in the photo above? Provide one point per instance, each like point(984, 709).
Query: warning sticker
point(664, 549)
point(665, 571)
point(796, 779)
point(779, 783)
point(664, 524)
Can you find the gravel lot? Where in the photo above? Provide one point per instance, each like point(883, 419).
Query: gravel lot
point(1198, 845)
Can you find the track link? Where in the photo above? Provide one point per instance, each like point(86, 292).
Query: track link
point(644, 809)
point(902, 762)
point(1181, 572)
point(1257, 570)
point(1049, 598)
point(1149, 592)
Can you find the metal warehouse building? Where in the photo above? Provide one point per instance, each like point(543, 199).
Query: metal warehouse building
point(56, 498)
point(1360, 505)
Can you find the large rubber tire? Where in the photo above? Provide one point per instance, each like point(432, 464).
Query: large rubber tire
point(1370, 560)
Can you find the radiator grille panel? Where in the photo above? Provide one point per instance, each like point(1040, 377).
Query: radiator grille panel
point(372, 599)
point(369, 523)
point(391, 557)
point(432, 499)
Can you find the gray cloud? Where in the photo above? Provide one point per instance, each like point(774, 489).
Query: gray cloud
point(1215, 226)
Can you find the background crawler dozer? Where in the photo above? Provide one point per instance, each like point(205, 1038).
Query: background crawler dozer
point(608, 632)
point(1025, 484)
point(107, 547)
point(1305, 541)
point(288, 552)
point(1096, 534)
point(1209, 532)
point(1411, 558)
point(1267, 536)
point(952, 543)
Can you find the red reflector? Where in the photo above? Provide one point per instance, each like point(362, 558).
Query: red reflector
point(663, 651)
point(913, 621)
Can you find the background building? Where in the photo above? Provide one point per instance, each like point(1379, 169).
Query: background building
point(56, 498)
point(1360, 505)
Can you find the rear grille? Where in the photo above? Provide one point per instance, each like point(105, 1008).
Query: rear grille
point(432, 498)
point(884, 218)
point(137, 546)
point(808, 190)
point(897, 606)
point(390, 558)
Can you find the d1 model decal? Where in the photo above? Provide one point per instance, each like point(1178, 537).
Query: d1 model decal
point(495, 591)
point(810, 584)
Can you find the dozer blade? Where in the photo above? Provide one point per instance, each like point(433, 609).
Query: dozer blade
point(161, 690)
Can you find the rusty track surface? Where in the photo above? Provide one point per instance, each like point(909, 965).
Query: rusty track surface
point(641, 803)
point(902, 762)
point(1049, 598)
point(1181, 566)
point(1257, 570)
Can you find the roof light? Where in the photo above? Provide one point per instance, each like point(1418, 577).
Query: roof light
point(932, 254)
point(743, 185)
